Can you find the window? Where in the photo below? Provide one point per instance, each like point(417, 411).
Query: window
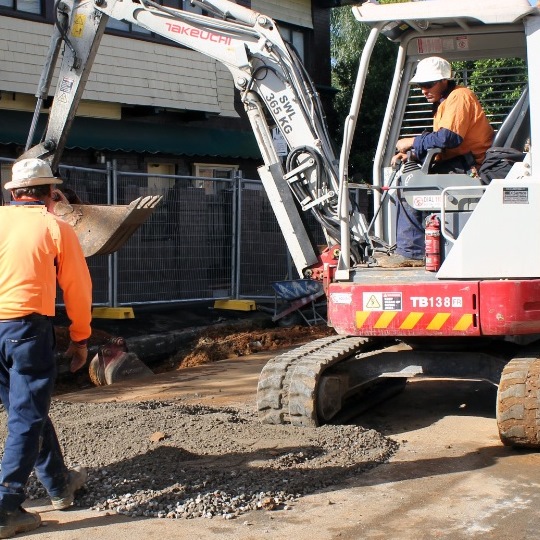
point(204, 170)
point(27, 6)
point(294, 37)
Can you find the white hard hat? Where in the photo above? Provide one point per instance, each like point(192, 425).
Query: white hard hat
point(432, 69)
point(31, 172)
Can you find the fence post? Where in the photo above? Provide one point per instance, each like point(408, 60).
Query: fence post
point(236, 234)
point(112, 198)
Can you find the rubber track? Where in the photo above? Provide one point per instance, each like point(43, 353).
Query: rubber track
point(518, 403)
point(286, 393)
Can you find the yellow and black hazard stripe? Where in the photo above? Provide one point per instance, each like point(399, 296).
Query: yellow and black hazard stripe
point(414, 320)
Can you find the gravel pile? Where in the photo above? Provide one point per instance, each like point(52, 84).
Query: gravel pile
point(172, 460)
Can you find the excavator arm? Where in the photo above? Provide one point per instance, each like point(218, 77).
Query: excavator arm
point(275, 90)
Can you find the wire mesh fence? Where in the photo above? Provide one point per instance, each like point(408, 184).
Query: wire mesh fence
point(184, 251)
point(90, 186)
point(209, 238)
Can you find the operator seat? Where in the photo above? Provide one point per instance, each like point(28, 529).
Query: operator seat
point(515, 130)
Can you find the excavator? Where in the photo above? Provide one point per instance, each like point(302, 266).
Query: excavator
point(477, 314)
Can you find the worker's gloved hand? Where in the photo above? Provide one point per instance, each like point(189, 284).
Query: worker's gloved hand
point(78, 352)
point(398, 159)
point(404, 145)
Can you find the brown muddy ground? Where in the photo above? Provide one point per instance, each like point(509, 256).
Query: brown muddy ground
point(213, 345)
point(213, 336)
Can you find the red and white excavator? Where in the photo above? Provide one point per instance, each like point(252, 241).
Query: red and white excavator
point(477, 316)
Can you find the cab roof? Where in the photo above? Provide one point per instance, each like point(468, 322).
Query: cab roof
point(463, 13)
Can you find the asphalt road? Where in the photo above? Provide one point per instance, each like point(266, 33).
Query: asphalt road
point(451, 478)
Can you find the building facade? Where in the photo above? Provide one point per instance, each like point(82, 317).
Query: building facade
point(149, 104)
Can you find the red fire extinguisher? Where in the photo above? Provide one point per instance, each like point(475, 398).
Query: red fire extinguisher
point(433, 243)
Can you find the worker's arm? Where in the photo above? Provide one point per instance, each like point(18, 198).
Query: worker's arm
point(74, 280)
point(443, 138)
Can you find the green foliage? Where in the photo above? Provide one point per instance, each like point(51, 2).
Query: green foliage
point(497, 82)
point(348, 40)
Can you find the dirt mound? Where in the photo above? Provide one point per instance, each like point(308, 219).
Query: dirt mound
point(168, 459)
point(212, 345)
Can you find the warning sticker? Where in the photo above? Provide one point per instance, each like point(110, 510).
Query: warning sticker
point(392, 301)
point(374, 302)
point(382, 301)
point(426, 201)
point(78, 25)
point(429, 45)
point(462, 43)
point(519, 195)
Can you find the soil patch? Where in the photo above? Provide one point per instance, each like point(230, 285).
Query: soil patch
point(213, 345)
point(208, 344)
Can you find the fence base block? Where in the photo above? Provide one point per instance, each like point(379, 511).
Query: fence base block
point(113, 313)
point(238, 305)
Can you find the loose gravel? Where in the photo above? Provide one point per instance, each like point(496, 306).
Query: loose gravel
point(172, 460)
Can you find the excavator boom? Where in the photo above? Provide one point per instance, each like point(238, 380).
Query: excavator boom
point(275, 90)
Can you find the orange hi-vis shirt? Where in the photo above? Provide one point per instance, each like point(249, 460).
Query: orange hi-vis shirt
point(462, 113)
point(37, 249)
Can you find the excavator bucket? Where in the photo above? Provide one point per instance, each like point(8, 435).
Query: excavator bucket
point(104, 229)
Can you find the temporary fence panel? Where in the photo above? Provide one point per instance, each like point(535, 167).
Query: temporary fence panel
point(209, 238)
point(184, 251)
point(262, 252)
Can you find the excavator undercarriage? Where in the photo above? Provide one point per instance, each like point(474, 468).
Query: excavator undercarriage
point(334, 378)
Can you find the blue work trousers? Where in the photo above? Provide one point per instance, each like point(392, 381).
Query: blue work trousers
point(410, 233)
point(27, 375)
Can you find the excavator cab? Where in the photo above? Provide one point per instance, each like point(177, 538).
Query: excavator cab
point(430, 191)
point(460, 33)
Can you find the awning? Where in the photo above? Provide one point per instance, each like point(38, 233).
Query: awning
point(128, 136)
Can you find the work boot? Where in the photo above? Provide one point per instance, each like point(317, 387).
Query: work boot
point(76, 479)
point(398, 261)
point(17, 521)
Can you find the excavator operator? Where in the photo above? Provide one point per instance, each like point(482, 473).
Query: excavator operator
point(463, 133)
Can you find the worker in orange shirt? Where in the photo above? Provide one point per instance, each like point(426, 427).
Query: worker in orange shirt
point(463, 133)
point(37, 250)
